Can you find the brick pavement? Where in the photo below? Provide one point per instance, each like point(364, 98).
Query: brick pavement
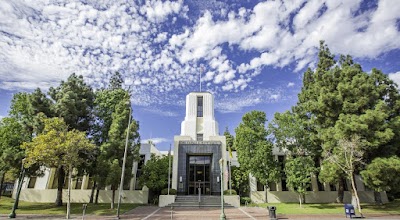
point(192, 213)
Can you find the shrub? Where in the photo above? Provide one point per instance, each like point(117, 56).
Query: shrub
point(230, 192)
point(171, 191)
point(244, 200)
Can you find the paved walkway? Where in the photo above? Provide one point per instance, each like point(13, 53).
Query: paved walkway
point(155, 213)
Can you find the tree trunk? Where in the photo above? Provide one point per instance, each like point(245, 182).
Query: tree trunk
point(340, 191)
point(96, 201)
point(355, 193)
point(300, 200)
point(378, 198)
point(69, 191)
point(1, 182)
point(60, 185)
point(92, 193)
point(113, 197)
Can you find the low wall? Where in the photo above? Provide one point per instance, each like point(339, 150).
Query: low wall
point(233, 200)
point(257, 196)
point(83, 196)
point(321, 197)
point(165, 200)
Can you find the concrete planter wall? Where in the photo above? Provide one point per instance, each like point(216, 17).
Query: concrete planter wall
point(165, 200)
point(233, 200)
point(83, 196)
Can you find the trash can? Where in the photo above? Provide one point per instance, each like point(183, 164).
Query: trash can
point(272, 212)
point(349, 210)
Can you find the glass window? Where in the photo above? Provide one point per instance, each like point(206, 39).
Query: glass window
point(284, 186)
point(199, 137)
point(200, 106)
point(260, 186)
point(32, 182)
point(78, 184)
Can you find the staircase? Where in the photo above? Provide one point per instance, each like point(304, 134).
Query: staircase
point(193, 201)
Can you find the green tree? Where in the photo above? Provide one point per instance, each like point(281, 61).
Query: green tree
point(382, 174)
point(230, 140)
point(290, 133)
point(253, 148)
point(73, 101)
point(30, 109)
point(347, 156)
point(298, 172)
point(58, 147)
point(113, 148)
point(113, 177)
point(340, 100)
point(240, 181)
point(116, 81)
point(12, 135)
point(154, 174)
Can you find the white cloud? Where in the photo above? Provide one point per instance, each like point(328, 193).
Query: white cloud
point(158, 11)
point(158, 48)
point(290, 84)
point(395, 77)
point(155, 140)
point(228, 104)
point(162, 112)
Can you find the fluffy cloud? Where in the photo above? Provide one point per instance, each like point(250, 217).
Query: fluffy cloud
point(290, 84)
point(155, 140)
point(159, 45)
point(395, 77)
point(228, 104)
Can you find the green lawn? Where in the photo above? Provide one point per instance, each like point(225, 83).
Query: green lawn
point(6, 204)
point(331, 208)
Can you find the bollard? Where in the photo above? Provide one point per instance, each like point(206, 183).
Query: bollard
point(272, 212)
point(84, 206)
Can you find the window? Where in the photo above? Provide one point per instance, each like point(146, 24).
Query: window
point(284, 186)
point(260, 186)
point(200, 106)
point(199, 137)
point(272, 186)
point(138, 172)
point(32, 182)
point(90, 183)
point(78, 184)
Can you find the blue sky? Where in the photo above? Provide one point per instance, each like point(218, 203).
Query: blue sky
point(251, 54)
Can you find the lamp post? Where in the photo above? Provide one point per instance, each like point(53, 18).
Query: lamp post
point(19, 187)
point(221, 165)
point(121, 184)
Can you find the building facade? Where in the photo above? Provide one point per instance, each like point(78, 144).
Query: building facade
point(44, 188)
point(199, 148)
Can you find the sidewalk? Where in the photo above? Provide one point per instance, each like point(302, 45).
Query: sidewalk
point(156, 213)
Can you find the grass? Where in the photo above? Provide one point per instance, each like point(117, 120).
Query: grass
point(6, 204)
point(332, 208)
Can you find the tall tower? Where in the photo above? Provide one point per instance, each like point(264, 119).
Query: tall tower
point(199, 123)
point(198, 149)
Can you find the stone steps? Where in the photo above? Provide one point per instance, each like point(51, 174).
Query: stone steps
point(193, 201)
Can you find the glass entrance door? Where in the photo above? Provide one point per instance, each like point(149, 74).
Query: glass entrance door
point(199, 175)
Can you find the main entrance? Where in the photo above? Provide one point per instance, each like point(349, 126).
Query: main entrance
point(199, 174)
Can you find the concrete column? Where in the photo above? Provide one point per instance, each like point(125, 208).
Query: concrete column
point(314, 183)
point(85, 182)
point(327, 187)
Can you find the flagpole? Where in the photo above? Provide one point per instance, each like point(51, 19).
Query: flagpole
point(169, 167)
point(230, 175)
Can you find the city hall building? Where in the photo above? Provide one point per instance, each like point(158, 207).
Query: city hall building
point(199, 149)
point(196, 169)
